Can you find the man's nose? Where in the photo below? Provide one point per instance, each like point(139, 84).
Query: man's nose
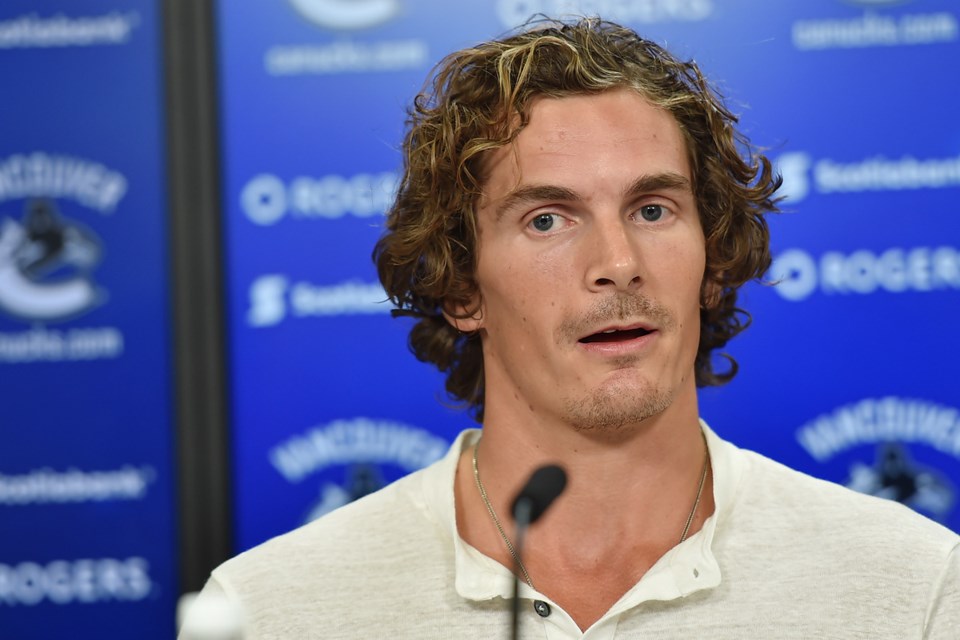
point(615, 260)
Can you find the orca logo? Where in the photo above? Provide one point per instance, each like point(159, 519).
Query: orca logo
point(45, 264)
point(347, 14)
point(367, 449)
point(895, 476)
point(892, 427)
point(795, 169)
point(362, 479)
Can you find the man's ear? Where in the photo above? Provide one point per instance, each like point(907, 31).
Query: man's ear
point(711, 292)
point(465, 318)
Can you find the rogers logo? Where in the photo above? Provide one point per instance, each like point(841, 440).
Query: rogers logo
point(347, 15)
point(83, 581)
point(795, 273)
point(798, 274)
point(266, 199)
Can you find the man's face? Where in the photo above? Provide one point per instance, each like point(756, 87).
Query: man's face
point(591, 257)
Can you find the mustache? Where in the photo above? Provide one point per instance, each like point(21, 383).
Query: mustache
point(619, 307)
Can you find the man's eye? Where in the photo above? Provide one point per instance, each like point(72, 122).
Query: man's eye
point(651, 212)
point(543, 222)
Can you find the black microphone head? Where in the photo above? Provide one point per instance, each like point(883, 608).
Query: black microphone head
point(541, 490)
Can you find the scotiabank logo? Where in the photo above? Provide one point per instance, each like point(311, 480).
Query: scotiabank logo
point(273, 298)
point(72, 486)
point(803, 175)
point(33, 31)
point(799, 274)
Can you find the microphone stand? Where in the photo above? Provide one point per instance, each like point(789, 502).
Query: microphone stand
point(541, 490)
point(522, 513)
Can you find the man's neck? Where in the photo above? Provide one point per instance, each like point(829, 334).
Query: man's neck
point(626, 503)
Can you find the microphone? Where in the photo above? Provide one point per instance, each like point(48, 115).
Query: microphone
point(537, 495)
point(541, 490)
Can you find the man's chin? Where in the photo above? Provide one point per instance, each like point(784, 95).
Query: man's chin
point(614, 410)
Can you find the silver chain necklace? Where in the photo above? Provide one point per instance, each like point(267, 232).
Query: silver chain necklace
point(516, 556)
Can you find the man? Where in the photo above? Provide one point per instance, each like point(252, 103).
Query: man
point(576, 214)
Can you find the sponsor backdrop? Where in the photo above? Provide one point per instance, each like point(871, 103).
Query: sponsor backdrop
point(87, 535)
point(844, 373)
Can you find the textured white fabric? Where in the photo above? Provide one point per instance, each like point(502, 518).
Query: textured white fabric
point(784, 556)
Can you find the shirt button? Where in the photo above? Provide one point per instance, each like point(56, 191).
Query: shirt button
point(542, 608)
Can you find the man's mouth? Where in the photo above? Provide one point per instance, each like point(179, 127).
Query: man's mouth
point(616, 335)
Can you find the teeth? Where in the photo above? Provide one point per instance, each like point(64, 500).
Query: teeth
point(610, 331)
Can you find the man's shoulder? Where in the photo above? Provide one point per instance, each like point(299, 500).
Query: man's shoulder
point(343, 574)
point(788, 535)
point(388, 526)
point(822, 513)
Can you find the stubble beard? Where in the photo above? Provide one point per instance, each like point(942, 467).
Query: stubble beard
point(613, 408)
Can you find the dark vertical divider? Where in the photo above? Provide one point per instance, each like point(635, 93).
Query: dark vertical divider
point(197, 277)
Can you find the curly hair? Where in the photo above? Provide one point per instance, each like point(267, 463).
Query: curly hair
point(478, 101)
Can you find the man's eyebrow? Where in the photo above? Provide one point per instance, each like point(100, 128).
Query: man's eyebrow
point(541, 192)
point(534, 193)
point(657, 182)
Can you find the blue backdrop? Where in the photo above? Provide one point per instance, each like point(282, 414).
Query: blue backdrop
point(86, 509)
point(844, 373)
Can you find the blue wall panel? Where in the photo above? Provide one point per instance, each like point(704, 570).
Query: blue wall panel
point(86, 474)
point(844, 373)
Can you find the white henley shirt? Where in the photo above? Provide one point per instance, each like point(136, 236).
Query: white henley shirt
point(783, 556)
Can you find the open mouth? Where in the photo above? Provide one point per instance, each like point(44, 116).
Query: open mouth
point(616, 335)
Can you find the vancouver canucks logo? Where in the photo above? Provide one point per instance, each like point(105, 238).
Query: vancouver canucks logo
point(895, 448)
point(361, 480)
point(896, 476)
point(45, 265)
point(347, 14)
point(351, 457)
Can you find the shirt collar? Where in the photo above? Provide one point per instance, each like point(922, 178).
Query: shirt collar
point(687, 568)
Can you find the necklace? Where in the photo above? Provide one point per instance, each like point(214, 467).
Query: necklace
point(513, 551)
